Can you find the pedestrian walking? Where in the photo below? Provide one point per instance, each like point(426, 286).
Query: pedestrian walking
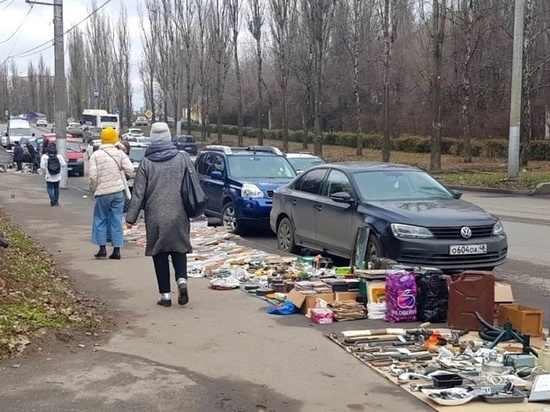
point(35, 160)
point(18, 155)
point(52, 164)
point(157, 190)
point(108, 167)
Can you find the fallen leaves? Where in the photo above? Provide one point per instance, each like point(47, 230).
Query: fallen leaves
point(35, 296)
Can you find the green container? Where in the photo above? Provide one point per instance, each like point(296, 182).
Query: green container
point(306, 259)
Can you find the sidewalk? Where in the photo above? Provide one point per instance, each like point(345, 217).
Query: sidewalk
point(221, 352)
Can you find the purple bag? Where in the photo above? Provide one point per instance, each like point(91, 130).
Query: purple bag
point(400, 297)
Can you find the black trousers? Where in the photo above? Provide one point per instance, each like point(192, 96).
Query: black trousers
point(162, 268)
point(19, 165)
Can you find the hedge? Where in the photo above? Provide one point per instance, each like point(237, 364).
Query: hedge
point(494, 148)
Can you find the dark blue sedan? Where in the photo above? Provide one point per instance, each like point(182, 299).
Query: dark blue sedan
point(411, 217)
point(186, 143)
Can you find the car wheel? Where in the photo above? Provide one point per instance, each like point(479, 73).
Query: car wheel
point(229, 218)
point(374, 250)
point(285, 237)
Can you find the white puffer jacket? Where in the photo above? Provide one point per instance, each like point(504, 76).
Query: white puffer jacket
point(104, 170)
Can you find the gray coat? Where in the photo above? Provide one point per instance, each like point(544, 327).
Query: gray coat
point(157, 190)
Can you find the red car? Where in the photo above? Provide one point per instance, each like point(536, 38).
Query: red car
point(75, 154)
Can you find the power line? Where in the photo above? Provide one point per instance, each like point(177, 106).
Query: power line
point(35, 50)
point(18, 28)
point(8, 5)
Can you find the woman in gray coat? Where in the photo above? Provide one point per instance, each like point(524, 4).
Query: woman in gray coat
point(157, 190)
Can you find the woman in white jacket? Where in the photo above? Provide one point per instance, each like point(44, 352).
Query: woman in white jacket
point(105, 167)
point(49, 169)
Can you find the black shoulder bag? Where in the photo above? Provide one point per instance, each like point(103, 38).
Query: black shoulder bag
point(194, 198)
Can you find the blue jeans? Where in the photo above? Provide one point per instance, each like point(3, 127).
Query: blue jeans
point(53, 191)
point(108, 218)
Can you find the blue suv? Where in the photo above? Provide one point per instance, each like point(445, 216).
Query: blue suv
point(239, 182)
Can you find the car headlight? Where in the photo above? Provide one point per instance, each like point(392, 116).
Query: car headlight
point(498, 229)
point(250, 190)
point(80, 159)
point(409, 231)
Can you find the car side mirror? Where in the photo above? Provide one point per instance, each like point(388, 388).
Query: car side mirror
point(342, 197)
point(83, 150)
point(456, 194)
point(216, 175)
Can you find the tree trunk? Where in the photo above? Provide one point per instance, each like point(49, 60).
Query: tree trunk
point(318, 140)
point(240, 119)
point(305, 128)
point(189, 98)
point(547, 125)
point(285, 116)
point(465, 120)
point(260, 93)
point(387, 31)
point(358, 129)
point(439, 15)
point(528, 51)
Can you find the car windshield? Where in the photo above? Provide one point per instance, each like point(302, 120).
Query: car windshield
point(20, 132)
point(260, 167)
point(137, 153)
point(304, 163)
point(186, 139)
point(74, 125)
point(399, 185)
point(73, 147)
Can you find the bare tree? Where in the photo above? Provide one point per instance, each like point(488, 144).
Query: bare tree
point(77, 78)
point(203, 11)
point(439, 17)
point(185, 12)
point(150, 40)
point(318, 15)
point(234, 16)
point(220, 48)
point(282, 12)
point(123, 63)
point(255, 24)
point(389, 30)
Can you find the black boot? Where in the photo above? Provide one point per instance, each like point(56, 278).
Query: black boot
point(115, 254)
point(102, 252)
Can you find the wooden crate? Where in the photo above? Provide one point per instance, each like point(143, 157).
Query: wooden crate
point(526, 319)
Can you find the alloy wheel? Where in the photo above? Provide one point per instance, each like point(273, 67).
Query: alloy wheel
point(285, 236)
point(228, 218)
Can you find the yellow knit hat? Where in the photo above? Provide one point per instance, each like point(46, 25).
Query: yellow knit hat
point(109, 136)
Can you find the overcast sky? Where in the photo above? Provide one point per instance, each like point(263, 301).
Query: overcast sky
point(37, 28)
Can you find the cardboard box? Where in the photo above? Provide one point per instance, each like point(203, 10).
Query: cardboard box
point(526, 319)
point(341, 296)
point(503, 295)
point(311, 300)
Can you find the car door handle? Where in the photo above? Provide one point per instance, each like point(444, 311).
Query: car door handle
point(293, 201)
point(318, 207)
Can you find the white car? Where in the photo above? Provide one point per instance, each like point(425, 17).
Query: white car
point(4, 140)
point(42, 121)
point(141, 121)
point(132, 132)
point(143, 140)
point(303, 161)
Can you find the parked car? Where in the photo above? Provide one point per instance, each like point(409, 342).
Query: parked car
point(75, 154)
point(90, 133)
point(75, 129)
point(303, 161)
point(141, 121)
point(412, 218)
point(186, 143)
point(239, 182)
point(41, 122)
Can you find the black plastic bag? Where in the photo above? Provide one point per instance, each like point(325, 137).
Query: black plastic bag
point(432, 298)
point(194, 198)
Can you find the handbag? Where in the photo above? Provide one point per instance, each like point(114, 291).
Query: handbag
point(127, 192)
point(194, 198)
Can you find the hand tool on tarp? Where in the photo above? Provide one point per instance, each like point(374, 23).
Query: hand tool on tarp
point(365, 333)
point(496, 335)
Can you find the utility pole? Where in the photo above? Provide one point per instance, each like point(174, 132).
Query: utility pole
point(515, 103)
point(60, 98)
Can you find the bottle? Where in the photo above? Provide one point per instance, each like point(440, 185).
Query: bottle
point(544, 356)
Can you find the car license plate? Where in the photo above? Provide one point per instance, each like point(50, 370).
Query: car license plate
point(468, 249)
point(69, 169)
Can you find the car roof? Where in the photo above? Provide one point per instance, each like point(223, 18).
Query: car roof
point(244, 151)
point(353, 167)
point(51, 136)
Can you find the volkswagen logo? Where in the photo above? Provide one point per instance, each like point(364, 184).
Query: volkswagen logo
point(466, 232)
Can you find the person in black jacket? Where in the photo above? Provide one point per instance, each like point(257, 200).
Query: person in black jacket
point(18, 156)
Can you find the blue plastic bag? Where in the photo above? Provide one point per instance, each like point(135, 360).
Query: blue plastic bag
point(285, 308)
